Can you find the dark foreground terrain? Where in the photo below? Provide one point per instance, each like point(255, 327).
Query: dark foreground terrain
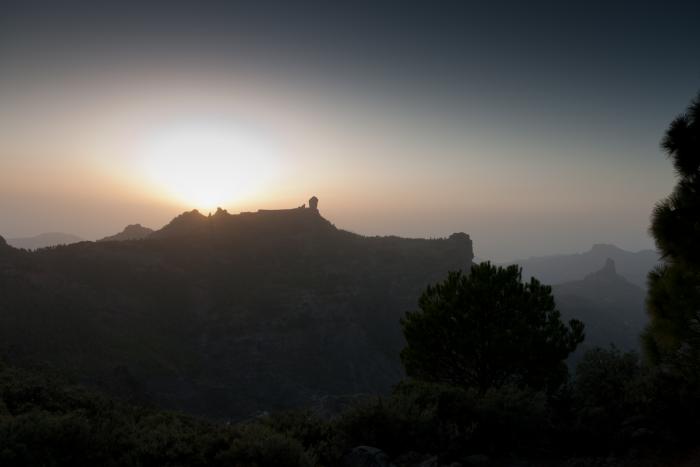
point(45, 420)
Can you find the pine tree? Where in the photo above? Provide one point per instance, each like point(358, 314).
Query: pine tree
point(672, 339)
point(489, 329)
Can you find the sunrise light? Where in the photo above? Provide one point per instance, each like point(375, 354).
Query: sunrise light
point(205, 165)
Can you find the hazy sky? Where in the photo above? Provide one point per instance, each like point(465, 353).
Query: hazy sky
point(534, 127)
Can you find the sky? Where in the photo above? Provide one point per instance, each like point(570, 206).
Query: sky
point(532, 126)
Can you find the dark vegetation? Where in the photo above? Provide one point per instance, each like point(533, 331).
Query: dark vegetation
point(471, 331)
point(484, 400)
point(610, 414)
point(672, 340)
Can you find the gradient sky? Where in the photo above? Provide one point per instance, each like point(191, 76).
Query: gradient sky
point(532, 126)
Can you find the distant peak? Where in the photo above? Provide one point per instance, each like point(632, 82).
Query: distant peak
point(2, 241)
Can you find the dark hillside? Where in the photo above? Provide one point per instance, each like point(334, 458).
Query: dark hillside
point(223, 315)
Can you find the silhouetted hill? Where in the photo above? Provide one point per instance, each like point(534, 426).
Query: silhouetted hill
point(224, 315)
point(187, 223)
point(44, 240)
point(556, 269)
point(130, 232)
point(298, 222)
point(611, 307)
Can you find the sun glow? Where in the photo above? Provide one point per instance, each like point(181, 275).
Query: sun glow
point(205, 166)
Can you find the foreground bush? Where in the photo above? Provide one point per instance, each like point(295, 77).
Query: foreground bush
point(46, 421)
point(614, 407)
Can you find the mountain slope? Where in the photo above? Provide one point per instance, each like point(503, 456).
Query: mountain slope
point(224, 315)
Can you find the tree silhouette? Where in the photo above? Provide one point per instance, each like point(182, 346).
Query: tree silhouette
point(672, 339)
point(488, 329)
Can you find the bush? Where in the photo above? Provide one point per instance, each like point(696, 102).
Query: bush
point(45, 421)
point(451, 422)
point(259, 445)
point(318, 436)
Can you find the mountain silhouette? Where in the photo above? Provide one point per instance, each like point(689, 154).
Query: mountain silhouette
point(556, 269)
point(130, 232)
point(221, 224)
point(611, 307)
point(44, 240)
point(224, 315)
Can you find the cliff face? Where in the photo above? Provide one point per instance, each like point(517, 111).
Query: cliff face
point(226, 315)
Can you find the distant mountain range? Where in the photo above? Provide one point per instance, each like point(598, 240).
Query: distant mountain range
point(49, 239)
point(44, 240)
point(556, 269)
point(223, 315)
